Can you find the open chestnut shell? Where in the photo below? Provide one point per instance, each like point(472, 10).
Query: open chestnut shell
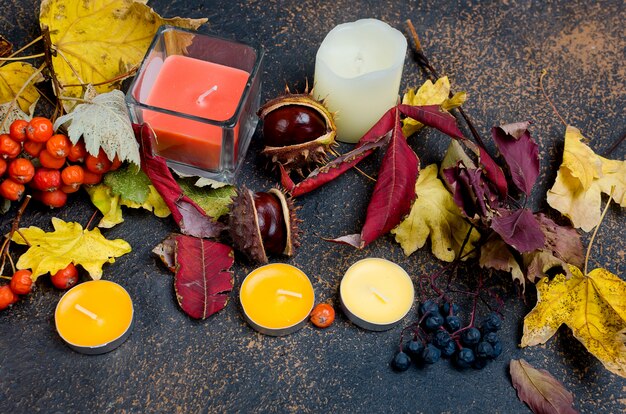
point(298, 131)
point(263, 223)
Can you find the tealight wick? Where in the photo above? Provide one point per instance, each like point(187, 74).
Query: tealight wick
point(205, 94)
point(378, 294)
point(289, 293)
point(85, 311)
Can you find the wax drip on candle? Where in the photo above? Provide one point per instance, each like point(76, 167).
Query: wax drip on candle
point(289, 293)
point(85, 311)
point(378, 294)
point(201, 98)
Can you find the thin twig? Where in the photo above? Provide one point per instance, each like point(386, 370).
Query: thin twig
point(4, 251)
point(545, 95)
point(363, 173)
point(56, 86)
point(423, 61)
point(106, 82)
point(18, 231)
point(615, 145)
point(12, 263)
point(608, 203)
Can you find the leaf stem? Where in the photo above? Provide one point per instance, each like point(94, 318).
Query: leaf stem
point(118, 78)
point(93, 216)
point(606, 209)
point(545, 95)
point(13, 59)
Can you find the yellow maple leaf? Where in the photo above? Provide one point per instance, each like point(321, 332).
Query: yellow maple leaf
point(96, 41)
point(13, 76)
point(593, 306)
point(430, 94)
point(68, 243)
point(434, 214)
point(582, 178)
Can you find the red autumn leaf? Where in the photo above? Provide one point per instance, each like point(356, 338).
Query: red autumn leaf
point(543, 393)
point(493, 172)
point(469, 190)
point(190, 217)
point(202, 279)
point(374, 138)
point(520, 152)
point(519, 229)
point(394, 191)
point(435, 117)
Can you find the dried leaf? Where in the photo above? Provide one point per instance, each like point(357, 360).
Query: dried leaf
point(12, 77)
point(429, 94)
point(166, 251)
point(519, 229)
point(6, 48)
point(103, 122)
point(495, 254)
point(562, 246)
point(10, 113)
point(99, 41)
point(203, 279)
point(470, 191)
point(434, 214)
point(582, 178)
point(68, 243)
point(543, 393)
point(520, 152)
point(394, 191)
point(593, 306)
point(190, 217)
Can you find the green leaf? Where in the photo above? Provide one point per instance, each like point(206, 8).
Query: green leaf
point(130, 183)
point(214, 201)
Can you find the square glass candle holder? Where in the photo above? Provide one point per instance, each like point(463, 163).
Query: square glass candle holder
point(200, 95)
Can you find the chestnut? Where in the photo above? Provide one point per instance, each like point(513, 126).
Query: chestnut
point(298, 131)
point(263, 223)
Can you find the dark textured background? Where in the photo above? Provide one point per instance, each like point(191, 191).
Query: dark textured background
point(493, 50)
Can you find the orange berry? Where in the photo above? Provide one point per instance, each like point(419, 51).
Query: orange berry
point(33, 148)
point(8, 147)
point(21, 170)
point(17, 130)
point(7, 297)
point(323, 315)
point(78, 152)
point(72, 177)
point(21, 282)
point(91, 178)
point(39, 129)
point(11, 190)
point(54, 199)
point(46, 179)
point(59, 146)
point(50, 161)
point(100, 164)
point(65, 278)
point(116, 163)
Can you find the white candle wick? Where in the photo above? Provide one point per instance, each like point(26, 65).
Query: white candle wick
point(358, 63)
point(85, 311)
point(379, 295)
point(289, 293)
point(201, 98)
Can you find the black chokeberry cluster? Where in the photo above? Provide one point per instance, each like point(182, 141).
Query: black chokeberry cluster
point(439, 334)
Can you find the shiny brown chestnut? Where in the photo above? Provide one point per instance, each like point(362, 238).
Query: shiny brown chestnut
point(298, 131)
point(263, 223)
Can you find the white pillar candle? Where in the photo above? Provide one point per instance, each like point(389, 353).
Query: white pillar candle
point(358, 69)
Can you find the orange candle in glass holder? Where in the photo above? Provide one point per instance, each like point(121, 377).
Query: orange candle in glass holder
point(199, 88)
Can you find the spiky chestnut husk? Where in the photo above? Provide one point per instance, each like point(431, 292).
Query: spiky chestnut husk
point(245, 224)
point(298, 131)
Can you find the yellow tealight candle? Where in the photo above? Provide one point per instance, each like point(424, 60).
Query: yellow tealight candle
point(94, 317)
point(277, 299)
point(376, 294)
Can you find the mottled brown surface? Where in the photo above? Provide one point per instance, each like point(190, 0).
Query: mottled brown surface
point(493, 50)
